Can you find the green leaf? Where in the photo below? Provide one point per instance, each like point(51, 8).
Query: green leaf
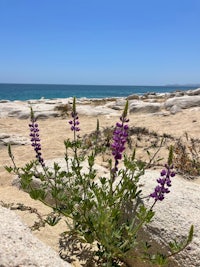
point(159, 258)
point(103, 180)
point(174, 246)
point(91, 161)
point(56, 167)
point(191, 233)
point(37, 194)
point(149, 216)
point(10, 151)
point(52, 220)
point(8, 169)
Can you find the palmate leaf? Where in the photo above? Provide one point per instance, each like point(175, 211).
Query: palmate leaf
point(37, 194)
point(159, 259)
point(8, 169)
point(52, 220)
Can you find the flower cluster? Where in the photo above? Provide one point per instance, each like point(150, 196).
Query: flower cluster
point(35, 140)
point(74, 122)
point(164, 182)
point(120, 136)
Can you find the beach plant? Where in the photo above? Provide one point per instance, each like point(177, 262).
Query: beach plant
point(106, 211)
point(186, 156)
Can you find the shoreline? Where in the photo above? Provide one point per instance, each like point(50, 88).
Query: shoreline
point(141, 95)
point(151, 103)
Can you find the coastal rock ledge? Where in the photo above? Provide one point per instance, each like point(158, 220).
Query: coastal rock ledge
point(148, 103)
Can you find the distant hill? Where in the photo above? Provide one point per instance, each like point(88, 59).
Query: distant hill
point(184, 85)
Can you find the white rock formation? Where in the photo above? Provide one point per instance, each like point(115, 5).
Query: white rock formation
point(13, 139)
point(18, 247)
point(183, 102)
point(144, 107)
point(174, 216)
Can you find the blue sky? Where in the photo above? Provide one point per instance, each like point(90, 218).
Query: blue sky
point(129, 42)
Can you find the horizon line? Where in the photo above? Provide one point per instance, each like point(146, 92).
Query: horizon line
point(162, 85)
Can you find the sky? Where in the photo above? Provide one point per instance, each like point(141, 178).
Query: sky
point(116, 42)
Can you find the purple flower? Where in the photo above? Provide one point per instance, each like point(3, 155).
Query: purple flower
point(120, 136)
point(164, 182)
point(35, 140)
point(74, 122)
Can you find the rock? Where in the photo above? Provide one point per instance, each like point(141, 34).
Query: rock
point(133, 97)
point(119, 104)
point(4, 101)
point(18, 247)
point(174, 216)
point(183, 102)
point(46, 114)
point(193, 92)
point(144, 107)
point(12, 109)
point(175, 109)
point(90, 110)
point(179, 93)
point(13, 139)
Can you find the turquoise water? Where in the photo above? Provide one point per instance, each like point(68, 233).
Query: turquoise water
point(36, 91)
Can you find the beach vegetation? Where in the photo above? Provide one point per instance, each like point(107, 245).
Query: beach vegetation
point(105, 213)
point(187, 156)
point(64, 109)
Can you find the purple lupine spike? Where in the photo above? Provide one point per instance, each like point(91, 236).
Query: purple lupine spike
point(74, 122)
point(164, 182)
point(35, 140)
point(120, 136)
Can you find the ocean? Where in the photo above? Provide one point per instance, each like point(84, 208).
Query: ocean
point(49, 91)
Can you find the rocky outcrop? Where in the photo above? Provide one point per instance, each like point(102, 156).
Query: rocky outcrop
point(13, 139)
point(90, 110)
point(144, 107)
point(174, 216)
point(147, 103)
point(18, 247)
point(194, 92)
point(183, 102)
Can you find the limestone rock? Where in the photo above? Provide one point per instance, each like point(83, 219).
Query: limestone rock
point(174, 216)
point(194, 92)
point(144, 107)
point(13, 139)
point(183, 102)
point(175, 109)
point(18, 247)
point(90, 110)
point(133, 97)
